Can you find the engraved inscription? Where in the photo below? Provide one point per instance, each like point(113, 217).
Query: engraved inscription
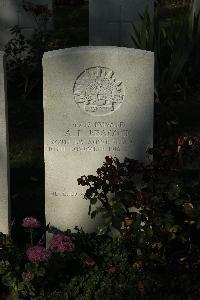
point(92, 137)
point(66, 194)
point(98, 92)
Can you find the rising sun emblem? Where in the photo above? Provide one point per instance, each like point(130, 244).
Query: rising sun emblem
point(97, 91)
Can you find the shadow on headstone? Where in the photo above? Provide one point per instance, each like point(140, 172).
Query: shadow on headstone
point(98, 101)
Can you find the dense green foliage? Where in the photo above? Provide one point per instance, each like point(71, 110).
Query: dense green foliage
point(176, 44)
point(154, 255)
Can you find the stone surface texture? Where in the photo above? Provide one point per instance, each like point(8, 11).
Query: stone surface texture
point(4, 174)
point(98, 101)
point(111, 20)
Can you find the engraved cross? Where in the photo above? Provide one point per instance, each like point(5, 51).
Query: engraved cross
point(121, 21)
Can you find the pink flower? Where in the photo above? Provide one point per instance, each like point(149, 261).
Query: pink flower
point(37, 254)
point(27, 276)
point(61, 243)
point(30, 222)
point(111, 268)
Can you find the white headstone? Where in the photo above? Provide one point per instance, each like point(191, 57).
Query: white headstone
point(98, 101)
point(4, 177)
point(111, 20)
point(12, 13)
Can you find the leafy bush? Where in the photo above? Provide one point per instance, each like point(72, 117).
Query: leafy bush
point(24, 56)
point(176, 44)
point(114, 188)
point(154, 256)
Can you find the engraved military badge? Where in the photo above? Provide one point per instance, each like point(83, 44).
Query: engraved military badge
point(97, 91)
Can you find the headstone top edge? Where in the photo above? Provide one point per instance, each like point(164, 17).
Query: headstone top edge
point(97, 49)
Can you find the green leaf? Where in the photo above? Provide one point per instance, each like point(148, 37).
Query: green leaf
point(93, 201)
point(93, 214)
